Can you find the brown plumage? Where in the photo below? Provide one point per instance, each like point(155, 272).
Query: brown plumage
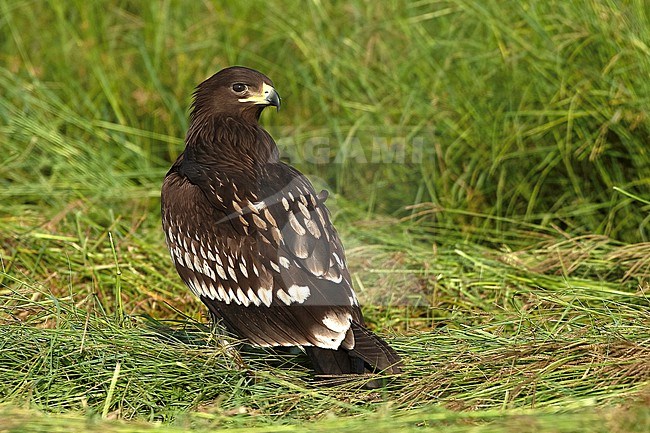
point(251, 238)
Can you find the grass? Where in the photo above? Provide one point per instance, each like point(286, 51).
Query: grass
point(490, 180)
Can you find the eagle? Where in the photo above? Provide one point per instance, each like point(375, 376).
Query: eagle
point(252, 239)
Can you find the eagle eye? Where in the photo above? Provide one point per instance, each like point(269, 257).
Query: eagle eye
point(239, 87)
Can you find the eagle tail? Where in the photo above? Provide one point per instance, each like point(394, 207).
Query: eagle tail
point(370, 354)
point(329, 362)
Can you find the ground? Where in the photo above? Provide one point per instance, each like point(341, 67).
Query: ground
point(489, 177)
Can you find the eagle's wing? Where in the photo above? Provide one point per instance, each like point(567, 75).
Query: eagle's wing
point(263, 255)
point(295, 227)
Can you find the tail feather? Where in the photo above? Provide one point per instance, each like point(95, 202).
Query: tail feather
point(375, 351)
point(328, 362)
point(369, 354)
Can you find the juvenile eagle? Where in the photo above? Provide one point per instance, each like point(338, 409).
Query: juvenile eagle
point(253, 240)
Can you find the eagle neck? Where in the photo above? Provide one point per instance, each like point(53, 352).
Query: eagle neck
point(230, 144)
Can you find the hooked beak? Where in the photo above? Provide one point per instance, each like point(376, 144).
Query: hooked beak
point(268, 96)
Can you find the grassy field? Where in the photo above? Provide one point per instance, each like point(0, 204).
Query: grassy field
point(490, 177)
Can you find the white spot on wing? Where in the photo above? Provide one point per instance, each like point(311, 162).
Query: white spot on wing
point(321, 217)
point(269, 217)
point(266, 296)
point(339, 261)
point(188, 260)
point(259, 222)
point(300, 249)
point(277, 236)
point(257, 207)
point(222, 272)
point(303, 209)
point(197, 264)
point(299, 293)
point(223, 296)
point(329, 340)
point(336, 327)
point(208, 290)
point(242, 268)
point(333, 276)
point(313, 228)
point(284, 262)
point(232, 274)
point(242, 297)
point(337, 322)
point(253, 297)
point(283, 296)
point(226, 297)
point(215, 291)
point(233, 297)
point(295, 225)
point(179, 256)
point(207, 270)
point(285, 203)
point(194, 286)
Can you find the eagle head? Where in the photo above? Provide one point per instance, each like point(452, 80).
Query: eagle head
point(236, 91)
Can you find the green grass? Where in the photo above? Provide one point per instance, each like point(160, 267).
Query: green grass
point(490, 173)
